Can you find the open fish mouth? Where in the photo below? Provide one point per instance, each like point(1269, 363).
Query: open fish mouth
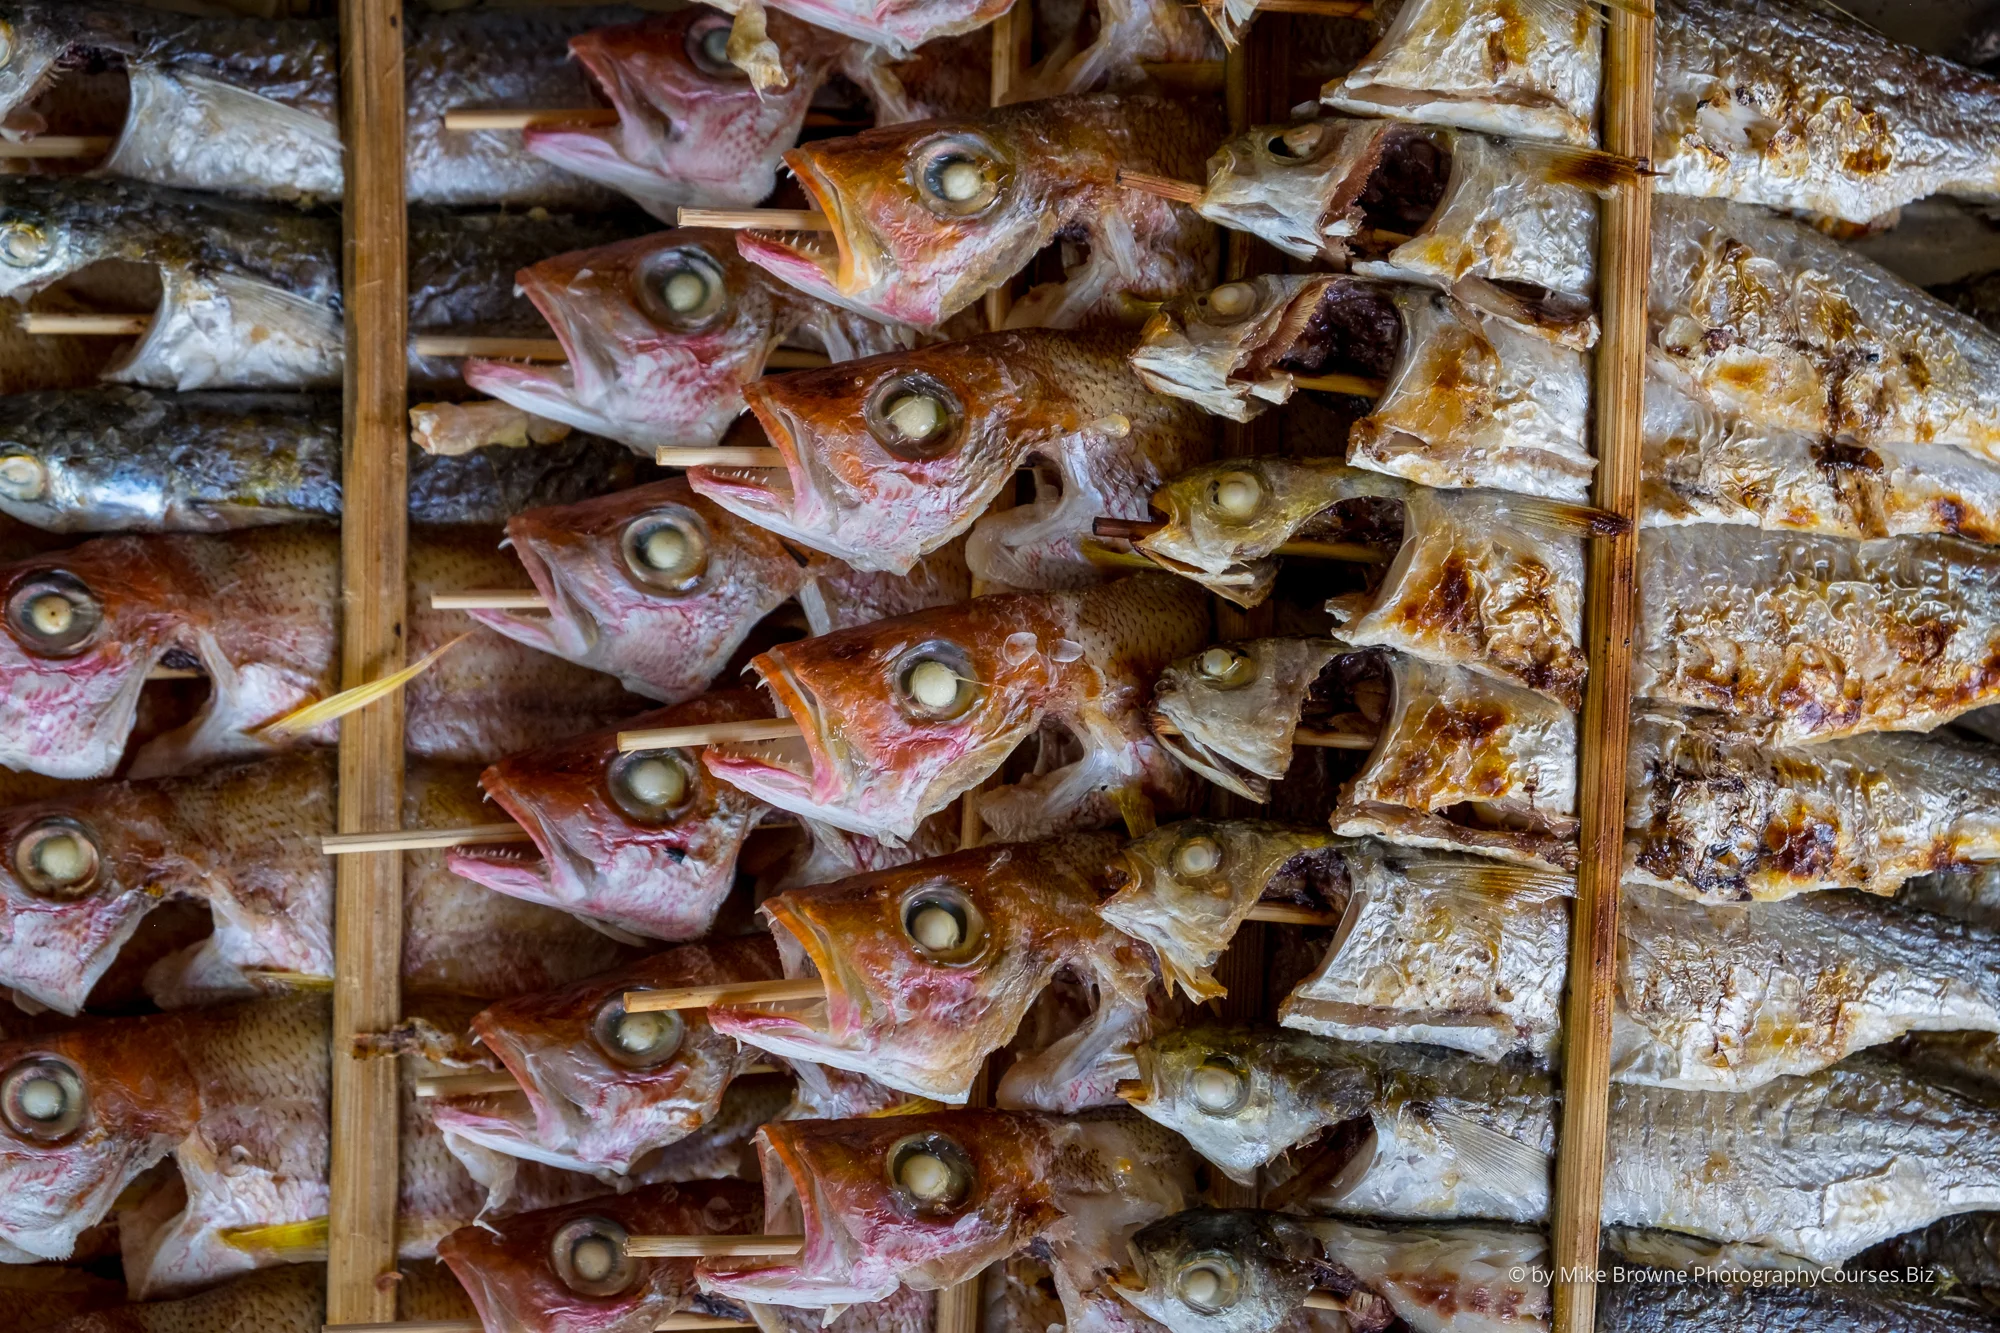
point(1216, 767)
point(508, 867)
point(843, 265)
point(802, 1031)
point(801, 776)
point(770, 497)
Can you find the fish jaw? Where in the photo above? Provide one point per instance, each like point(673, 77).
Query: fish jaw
point(543, 391)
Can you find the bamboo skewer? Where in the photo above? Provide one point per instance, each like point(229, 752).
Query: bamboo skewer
point(708, 733)
point(489, 1081)
point(490, 599)
point(550, 349)
point(673, 1323)
point(1132, 529)
point(721, 455)
point(417, 840)
point(40, 325)
point(55, 146)
point(713, 1247)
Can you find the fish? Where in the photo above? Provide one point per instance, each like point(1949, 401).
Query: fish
point(1805, 638)
point(660, 586)
point(1110, 45)
point(238, 105)
point(254, 612)
point(898, 26)
point(1732, 997)
point(926, 1201)
point(1784, 326)
point(39, 1295)
point(905, 250)
point(564, 1270)
point(1480, 579)
point(1467, 399)
point(1704, 464)
point(1819, 1166)
point(1508, 227)
point(931, 967)
point(249, 295)
point(901, 717)
point(1458, 761)
point(118, 459)
point(282, 1300)
point(1793, 106)
point(1713, 815)
point(661, 334)
point(1962, 1251)
point(607, 1087)
point(1966, 894)
point(890, 457)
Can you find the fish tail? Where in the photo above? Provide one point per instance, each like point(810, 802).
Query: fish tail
point(1586, 168)
point(1497, 879)
point(1572, 520)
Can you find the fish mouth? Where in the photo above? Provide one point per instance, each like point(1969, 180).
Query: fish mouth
point(800, 775)
point(1204, 759)
point(857, 260)
point(796, 1033)
point(507, 867)
point(1338, 1166)
point(568, 625)
point(768, 496)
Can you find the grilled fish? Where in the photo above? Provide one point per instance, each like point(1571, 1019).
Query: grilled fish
point(925, 1201)
point(889, 458)
point(1458, 760)
point(1963, 1251)
point(1819, 1166)
point(607, 1087)
point(254, 612)
point(1109, 45)
point(929, 217)
point(901, 717)
point(899, 26)
point(1468, 400)
point(661, 335)
point(130, 460)
point(1792, 105)
point(930, 967)
point(283, 1300)
point(249, 295)
point(1715, 816)
point(1808, 638)
point(564, 1270)
point(1507, 227)
point(659, 586)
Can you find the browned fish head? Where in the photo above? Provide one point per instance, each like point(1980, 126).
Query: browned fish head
point(565, 1270)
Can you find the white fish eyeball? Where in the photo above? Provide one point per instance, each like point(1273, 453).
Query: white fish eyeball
point(589, 1256)
point(945, 925)
point(916, 416)
point(23, 477)
point(1298, 141)
point(657, 781)
point(960, 180)
point(42, 1099)
point(638, 1041)
point(1217, 662)
point(682, 289)
point(936, 684)
point(958, 176)
point(667, 550)
point(937, 929)
point(1233, 300)
point(926, 1176)
point(1197, 857)
point(933, 684)
point(930, 1171)
point(685, 292)
point(1218, 1086)
point(1238, 495)
point(23, 245)
point(53, 614)
point(57, 858)
point(1209, 1284)
point(715, 45)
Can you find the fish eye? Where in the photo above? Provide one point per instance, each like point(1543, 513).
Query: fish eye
point(42, 1099)
point(53, 614)
point(1237, 495)
point(651, 785)
point(667, 550)
point(945, 925)
point(589, 1256)
point(1196, 857)
point(637, 1041)
point(1209, 1283)
point(708, 48)
point(57, 858)
point(959, 176)
point(930, 1172)
point(682, 289)
point(1226, 668)
point(1298, 142)
point(23, 245)
point(23, 477)
point(914, 416)
point(1232, 300)
point(6, 43)
point(936, 683)
point(1219, 1085)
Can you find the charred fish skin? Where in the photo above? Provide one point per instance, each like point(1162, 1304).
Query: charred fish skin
point(1729, 998)
point(1963, 1249)
point(1713, 815)
point(1805, 638)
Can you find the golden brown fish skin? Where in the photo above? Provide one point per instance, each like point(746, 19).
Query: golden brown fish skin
point(1808, 638)
point(876, 759)
point(909, 254)
point(922, 1017)
point(860, 489)
point(522, 1277)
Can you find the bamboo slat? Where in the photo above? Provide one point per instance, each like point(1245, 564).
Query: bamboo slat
point(1625, 257)
point(368, 894)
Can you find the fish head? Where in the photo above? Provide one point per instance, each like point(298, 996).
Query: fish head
point(659, 333)
point(1187, 887)
point(82, 628)
point(890, 457)
point(693, 127)
point(1215, 1270)
point(1230, 712)
point(46, 233)
point(646, 841)
point(925, 218)
point(608, 1085)
point(930, 967)
point(82, 1113)
point(564, 1269)
point(1329, 187)
point(76, 879)
point(925, 1200)
point(655, 585)
point(1242, 1096)
point(33, 40)
point(899, 717)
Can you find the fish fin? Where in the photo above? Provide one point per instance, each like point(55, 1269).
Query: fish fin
point(1501, 1164)
point(1586, 168)
point(908, 1106)
point(279, 977)
point(1572, 520)
point(1494, 879)
point(301, 720)
point(281, 1242)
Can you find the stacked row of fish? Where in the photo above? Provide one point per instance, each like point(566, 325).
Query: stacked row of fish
point(1818, 451)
